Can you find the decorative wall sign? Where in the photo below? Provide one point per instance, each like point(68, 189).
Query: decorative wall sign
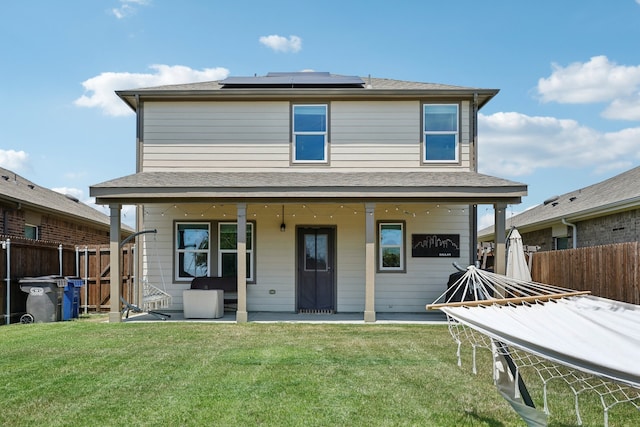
point(435, 245)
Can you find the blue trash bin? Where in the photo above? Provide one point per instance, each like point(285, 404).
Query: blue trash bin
point(71, 298)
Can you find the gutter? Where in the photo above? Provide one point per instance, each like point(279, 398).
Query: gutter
point(575, 232)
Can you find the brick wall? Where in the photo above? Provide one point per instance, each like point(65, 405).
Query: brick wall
point(12, 222)
point(620, 227)
point(540, 238)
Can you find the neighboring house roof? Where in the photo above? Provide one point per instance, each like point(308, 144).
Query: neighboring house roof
point(323, 186)
point(619, 193)
point(373, 88)
point(20, 192)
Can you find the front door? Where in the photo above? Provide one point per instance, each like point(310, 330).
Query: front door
point(316, 273)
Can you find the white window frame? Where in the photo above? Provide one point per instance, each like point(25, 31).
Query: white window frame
point(178, 251)
point(325, 134)
point(400, 246)
point(455, 133)
point(250, 249)
point(34, 227)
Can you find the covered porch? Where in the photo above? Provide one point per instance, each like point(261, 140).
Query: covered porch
point(292, 202)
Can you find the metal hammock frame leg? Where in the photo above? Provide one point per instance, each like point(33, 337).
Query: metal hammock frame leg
point(157, 297)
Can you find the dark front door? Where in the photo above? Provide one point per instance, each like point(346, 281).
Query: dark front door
point(316, 275)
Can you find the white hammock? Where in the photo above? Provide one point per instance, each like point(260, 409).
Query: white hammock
point(591, 343)
point(154, 298)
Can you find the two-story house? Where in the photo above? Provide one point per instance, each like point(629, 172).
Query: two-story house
point(318, 192)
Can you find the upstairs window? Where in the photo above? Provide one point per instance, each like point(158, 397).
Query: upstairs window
point(310, 133)
point(440, 133)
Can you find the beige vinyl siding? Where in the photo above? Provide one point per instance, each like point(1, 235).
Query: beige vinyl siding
point(208, 136)
point(426, 278)
point(382, 134)
point(275, 251)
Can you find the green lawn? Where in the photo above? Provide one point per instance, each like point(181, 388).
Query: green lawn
point(196, 374)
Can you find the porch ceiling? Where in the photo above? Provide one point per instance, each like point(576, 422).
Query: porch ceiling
point(159, 187)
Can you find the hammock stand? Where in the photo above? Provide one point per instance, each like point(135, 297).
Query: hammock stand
point(521, 321)
point(153, 298)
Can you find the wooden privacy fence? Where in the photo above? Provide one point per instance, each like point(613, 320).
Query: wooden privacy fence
point(94, 268)
point(609, 271)
point(22, 258)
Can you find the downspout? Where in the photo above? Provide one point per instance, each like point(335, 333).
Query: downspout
point(60, 258)
point(574, 234)
point(6, 245)
point(86, 279)
point(473, 208)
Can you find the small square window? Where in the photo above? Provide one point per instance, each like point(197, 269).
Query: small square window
point(31, 231)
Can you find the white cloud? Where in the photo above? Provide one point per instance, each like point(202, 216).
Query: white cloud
point(13, 160)
point(486, 216)
point(598, 80)
point(595, 81)
point(100, 90)
point(514, 144)
point(282, 44)
point(128, 8)
point(626, 108)
point(127, 213)
point(75, 192)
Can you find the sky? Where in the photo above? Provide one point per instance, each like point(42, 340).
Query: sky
point(567, 114)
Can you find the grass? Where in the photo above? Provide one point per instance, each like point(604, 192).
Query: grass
point(192, 374)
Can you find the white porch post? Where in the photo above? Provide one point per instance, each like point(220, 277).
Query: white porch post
point(241, 313)
point(500, 251)
point(370, 263)
point(115, 261)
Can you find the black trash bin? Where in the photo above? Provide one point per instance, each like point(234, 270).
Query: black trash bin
point(44, 300)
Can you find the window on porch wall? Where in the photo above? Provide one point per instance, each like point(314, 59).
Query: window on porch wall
point(194, 253)
point(391, 242)
point(192, 250)
point(228, 250)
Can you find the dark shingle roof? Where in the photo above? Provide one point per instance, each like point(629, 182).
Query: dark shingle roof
point(370, 83)
point(16, 189)
point(616, 193)
point(373, 87)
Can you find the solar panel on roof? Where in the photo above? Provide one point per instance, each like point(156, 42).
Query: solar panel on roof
point(299, 79)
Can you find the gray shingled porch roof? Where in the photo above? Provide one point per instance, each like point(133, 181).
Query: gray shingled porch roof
point(462, 187)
